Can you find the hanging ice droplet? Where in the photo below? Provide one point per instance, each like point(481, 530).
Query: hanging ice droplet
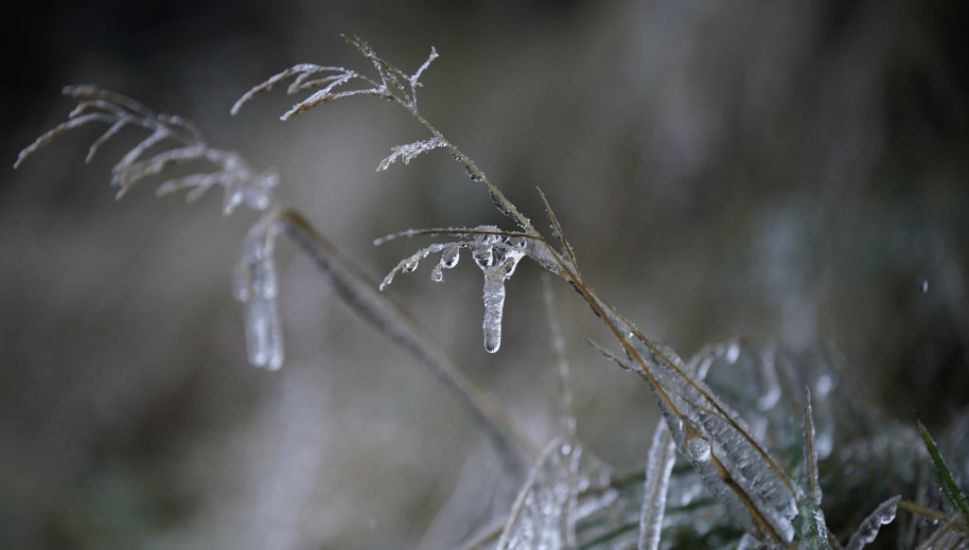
point(449, 259)
point(450, 256)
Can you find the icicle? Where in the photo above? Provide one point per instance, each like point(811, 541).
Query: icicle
point(497, 259)
point(868, 530)
point(255, 284)
point(494, 302)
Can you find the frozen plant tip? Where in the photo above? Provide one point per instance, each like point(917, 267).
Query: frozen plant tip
point(330, 82)
point(868, 530)
point(175, 142)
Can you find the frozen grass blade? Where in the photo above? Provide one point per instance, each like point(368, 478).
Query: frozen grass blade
point(659, 466)
point(944, 476)
point(813, 529)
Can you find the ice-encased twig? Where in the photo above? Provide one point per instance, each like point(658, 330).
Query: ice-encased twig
point(360, 293)
point(869, 527)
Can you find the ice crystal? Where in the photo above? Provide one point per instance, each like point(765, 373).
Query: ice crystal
point(255, 285)
point(410, 151)
point(868, 530)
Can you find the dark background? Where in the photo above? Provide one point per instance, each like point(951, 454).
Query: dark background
point(794, 170)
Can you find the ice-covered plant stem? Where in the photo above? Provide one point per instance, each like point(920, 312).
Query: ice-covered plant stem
point(734, 466)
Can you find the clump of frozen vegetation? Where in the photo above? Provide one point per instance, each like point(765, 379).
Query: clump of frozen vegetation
point(758, 447)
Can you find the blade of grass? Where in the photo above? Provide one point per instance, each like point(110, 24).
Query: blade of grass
point(944, 476)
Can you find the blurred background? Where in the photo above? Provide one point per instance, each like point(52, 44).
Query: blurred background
point(793, 171)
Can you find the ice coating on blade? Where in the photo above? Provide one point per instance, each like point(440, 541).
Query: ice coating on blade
point(662, 454)
point(813, 531)
point(868, 530)
point(544, 512)
point(255, 284)
point(737, 470)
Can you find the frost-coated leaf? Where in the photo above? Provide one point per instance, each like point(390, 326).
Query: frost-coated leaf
point(868, 530)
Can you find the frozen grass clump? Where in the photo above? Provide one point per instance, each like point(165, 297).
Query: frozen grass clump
point(758, 446)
